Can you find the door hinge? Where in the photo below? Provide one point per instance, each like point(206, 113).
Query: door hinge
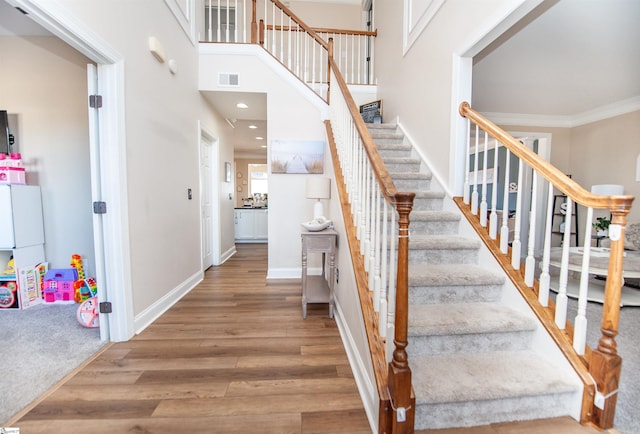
point(105, 307)
point(95, 101)
point(99, 207)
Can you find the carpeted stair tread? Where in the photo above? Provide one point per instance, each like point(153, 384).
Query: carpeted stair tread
point(418, 176)
point(429, 194)
point(381, 126)
point(463, 377)
point(433, 216)
point(442, 242)
point(466, 318)
point(386, 135)
point(401, 160)
point(452, 275)
point(394, 146)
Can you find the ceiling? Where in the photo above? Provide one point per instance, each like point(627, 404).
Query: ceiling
point(567, 58)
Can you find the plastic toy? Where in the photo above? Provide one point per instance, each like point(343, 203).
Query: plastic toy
point(76, 262)
point(8, 295)
point(59, 285)
point(87, 314)
point(85, 289)
point(11, 268)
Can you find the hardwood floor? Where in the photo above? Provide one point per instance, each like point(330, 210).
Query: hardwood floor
point(233, 356)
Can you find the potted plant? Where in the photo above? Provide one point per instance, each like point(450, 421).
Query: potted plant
point(601, 225)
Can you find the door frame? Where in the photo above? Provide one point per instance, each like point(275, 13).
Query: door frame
point(111, 176)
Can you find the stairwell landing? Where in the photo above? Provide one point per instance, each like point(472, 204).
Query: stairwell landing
point(474, 358)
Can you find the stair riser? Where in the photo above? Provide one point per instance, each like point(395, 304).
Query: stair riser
point(420, 204)
point(394, 153)
point(433, 227)
point(453, 294)
point(403, 167)
point(443, 256)
point(387, 139)
point(476, 413)
point(449, 344)
point(412, 184)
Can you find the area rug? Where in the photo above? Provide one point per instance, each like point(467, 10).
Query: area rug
point(630, 296)
point(40, 346)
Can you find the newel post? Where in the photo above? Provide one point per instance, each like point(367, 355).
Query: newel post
point(605, 362)
point(254, 23)
point(403, 405)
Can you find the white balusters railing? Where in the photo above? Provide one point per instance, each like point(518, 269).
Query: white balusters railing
point(564, 271)
point(301, 49)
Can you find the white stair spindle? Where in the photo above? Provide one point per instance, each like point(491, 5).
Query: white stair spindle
point(530, 261)
point(580, 322)
point(466, 192)
point(516, 245)
point(545, 277)
point(504, 229)
point(483, 202)
point(561, 298)
point(474, 194)
point(493, 218)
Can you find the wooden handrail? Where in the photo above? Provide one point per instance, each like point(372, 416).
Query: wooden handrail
point(399, 372)
point(561, 181)
point(298, 21)
point(384, 178)
point(604, 363)
point(322, 30)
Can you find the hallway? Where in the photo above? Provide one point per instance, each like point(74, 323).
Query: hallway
point(234, 355)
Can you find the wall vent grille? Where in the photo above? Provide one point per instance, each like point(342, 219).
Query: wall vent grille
point(227, 79)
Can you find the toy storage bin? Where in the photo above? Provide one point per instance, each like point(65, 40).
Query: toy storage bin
point(12, 175)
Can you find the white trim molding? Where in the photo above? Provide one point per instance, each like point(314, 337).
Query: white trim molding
point(185, 13)
point(416, 17)
point(531, 120)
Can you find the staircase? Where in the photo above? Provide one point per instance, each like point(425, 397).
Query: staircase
point(471, 355)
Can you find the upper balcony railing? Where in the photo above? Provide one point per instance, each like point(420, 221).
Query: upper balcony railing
point(302, 49)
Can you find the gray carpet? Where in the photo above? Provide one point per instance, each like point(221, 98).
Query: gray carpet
point(40, 345)
point(627, 419)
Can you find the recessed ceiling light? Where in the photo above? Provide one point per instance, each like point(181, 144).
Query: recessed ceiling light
point(242, 105)
point(259, 138)
point(263, 146)
point(253, 127)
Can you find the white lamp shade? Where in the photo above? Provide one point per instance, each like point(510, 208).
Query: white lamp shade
point(318, 187)
point(607, 189)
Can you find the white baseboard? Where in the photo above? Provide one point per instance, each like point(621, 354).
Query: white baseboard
point(153, 312)
point(284, 273)
point(226, 255)
point(367, 389)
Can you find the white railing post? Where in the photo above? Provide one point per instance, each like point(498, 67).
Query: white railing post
point(493, 218)
point(516, 244)
point(504, 229)
point(545, 277)
point(530, 261)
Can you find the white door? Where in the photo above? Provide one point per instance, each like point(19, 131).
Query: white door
point(96, 195)
point(206, 202)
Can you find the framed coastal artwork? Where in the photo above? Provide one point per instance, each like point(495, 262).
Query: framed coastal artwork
point(297, 156)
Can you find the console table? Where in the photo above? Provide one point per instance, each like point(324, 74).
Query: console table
point(319, 289)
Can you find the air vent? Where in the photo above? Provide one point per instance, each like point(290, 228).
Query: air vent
point(227, 79)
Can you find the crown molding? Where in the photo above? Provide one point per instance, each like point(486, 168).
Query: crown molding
point(571, 121)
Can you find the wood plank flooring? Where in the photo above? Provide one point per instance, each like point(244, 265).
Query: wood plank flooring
point(233, 356)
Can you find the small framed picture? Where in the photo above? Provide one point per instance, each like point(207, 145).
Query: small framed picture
point(227, 172)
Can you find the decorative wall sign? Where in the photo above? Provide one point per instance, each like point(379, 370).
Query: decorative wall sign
point(297, 156)
point(372, 112)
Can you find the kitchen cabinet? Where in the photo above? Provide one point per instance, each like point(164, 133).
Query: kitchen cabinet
point(251, 225)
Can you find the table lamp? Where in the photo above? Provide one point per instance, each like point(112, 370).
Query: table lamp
point(318, 188)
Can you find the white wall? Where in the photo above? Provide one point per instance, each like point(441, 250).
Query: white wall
point(293, 112)
point(43, 82)
point(162, 151)
point(418, 87)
